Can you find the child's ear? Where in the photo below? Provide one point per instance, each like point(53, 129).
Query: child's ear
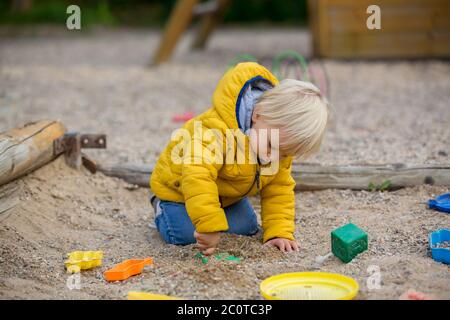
point(255, 115)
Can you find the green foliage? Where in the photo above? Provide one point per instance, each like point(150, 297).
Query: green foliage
point(149, 12)
point(280, 11)
point(54, 11)
point(380, 187)
point(101, 14)
point(51, 11)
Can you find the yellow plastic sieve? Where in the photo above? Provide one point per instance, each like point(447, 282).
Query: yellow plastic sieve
point(309, 286)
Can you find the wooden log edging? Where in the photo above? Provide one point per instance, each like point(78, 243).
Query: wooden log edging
point(317, 177)
point(137, 174)
point(25, 149)
point(359, 177)
point(9, 197)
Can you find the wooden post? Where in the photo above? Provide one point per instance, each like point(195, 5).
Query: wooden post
point(178, 22)
point(209, 23)
point(25, 149)
point(313, 23)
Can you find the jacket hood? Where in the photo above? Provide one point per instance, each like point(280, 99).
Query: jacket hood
point(238, 91)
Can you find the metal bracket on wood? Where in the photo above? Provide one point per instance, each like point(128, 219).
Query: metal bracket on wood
point(71, 144)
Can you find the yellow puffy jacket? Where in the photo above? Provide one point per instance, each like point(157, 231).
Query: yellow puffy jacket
point(206, 187)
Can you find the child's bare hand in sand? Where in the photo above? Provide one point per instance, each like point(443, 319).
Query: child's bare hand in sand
point(207, 242)
point(283, 244)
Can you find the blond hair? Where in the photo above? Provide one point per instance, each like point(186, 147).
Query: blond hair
point(301, 113)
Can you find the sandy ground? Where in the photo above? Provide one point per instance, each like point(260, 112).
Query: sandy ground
point(384, 112)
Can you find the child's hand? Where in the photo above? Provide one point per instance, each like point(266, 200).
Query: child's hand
point(283, 244)
point(207, 242)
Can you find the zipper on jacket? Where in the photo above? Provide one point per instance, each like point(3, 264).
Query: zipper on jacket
point(257, 175)
point(255, 180)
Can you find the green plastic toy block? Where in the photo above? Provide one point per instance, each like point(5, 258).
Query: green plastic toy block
point(219, 256)
point(348, 241)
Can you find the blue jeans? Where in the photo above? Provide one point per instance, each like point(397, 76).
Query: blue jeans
point(175, 225)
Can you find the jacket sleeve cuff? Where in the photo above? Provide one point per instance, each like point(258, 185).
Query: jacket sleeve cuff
point(271, 233)
point(214, 222)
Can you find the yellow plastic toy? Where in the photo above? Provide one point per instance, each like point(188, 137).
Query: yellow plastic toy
point(83, 260)
point(136, 295)
point(309, 286)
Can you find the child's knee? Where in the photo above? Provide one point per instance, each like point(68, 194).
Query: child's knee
point(183, 238)
point(252, 226)
point(174, 226)
point(171, 236)
point(245, 230)
point(242, 218)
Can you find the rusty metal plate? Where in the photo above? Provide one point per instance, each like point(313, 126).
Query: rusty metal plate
point(97, 141)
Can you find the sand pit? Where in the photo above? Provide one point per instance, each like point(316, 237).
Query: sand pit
point(62, 210)
point(385, 112)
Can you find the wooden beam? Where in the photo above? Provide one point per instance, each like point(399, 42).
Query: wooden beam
point(358, 177)
point(209, 23)
point(206, 7)
point(410, 29)
point(179, 20)
point(138, 174)
point(25, 149)
point(316, 177)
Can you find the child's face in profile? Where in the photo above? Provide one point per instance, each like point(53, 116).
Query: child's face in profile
point(263, 140)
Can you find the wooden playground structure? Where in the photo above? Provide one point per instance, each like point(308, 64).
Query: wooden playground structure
point(212, 12)
point(409, 29)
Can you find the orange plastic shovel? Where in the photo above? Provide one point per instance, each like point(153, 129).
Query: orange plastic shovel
point(127, 269)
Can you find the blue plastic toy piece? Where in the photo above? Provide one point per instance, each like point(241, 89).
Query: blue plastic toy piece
point(438, 253)
point(441, 203)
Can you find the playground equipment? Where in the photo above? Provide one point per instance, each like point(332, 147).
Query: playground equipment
point(291, 58)
point(291, 64)
point(180, 18)
point(245, 57)
point(408, 29)
point(339, 28)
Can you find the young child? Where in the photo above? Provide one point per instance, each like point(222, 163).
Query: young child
point(200, 193)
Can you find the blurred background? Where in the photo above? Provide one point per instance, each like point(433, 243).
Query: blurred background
point(146, 13)
point(138, 69)
point(136, 65)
